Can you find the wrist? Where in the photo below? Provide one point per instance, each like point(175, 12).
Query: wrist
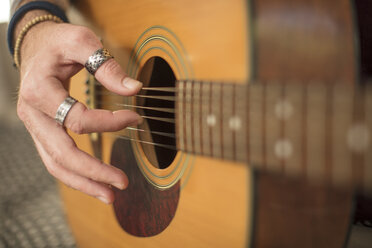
point(25, 19)
point(23, 10)
point(34, 40)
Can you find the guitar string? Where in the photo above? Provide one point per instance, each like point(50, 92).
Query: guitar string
point(161, 119)
point(165, 98)
point(174, 98)
point(164, 145)
point(151, 117)
point(129, 106)
point(165, 134)
point(167, 146)
point(156, 118)
point(111, 103)
point(309, 83)
point(171, 135)
point(158, 109)
point(160, 89)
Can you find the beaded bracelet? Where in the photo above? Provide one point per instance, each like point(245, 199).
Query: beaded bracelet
point(24, 31)
point(41, 5)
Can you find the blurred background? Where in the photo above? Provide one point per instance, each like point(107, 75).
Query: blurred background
point(31, 213)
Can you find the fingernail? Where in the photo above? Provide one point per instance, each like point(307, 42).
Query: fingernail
point(132, 84)
point(139, 120)
point(119, 185)
point(103, 199)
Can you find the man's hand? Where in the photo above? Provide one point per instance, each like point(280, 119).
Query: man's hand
point(50, 55)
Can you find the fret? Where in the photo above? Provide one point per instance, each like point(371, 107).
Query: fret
point(299, 130)
point(222, 121)
point(315, 133)
point(304, 155)
point(264, 129)
point(241, 111)
point(291, 112)
point(206, 106)
point(367, 180)
point(355, 137)
point(180, 116)
point(342, 121)
point(255, 127)
point(248, 124)
point(328, 108)
point(229, 123)
point(215, 120)
point(277, 146)
point(188, 116)
point(196, 117)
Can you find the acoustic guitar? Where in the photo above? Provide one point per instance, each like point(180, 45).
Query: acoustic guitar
point(258, 122)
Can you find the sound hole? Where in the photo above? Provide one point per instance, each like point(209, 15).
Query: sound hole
point(157, 73)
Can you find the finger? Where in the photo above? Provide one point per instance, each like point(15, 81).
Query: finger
point(82, 120)
point(85, 185)
point(63, 151)
point(112, 76)
point(79, 119)
point(110, 73)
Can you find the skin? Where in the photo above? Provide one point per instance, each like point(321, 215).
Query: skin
point(51, 54)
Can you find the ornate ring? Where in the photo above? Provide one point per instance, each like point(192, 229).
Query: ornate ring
point(97, 59)
point(63, 109)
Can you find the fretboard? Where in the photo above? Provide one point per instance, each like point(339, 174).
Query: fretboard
point(316, 131)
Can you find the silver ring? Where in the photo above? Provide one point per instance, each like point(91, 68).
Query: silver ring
point(97, 59)
point(63, 109)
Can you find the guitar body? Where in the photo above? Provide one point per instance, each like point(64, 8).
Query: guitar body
point(178, 199)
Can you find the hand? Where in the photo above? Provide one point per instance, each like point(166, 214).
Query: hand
point(50, 55)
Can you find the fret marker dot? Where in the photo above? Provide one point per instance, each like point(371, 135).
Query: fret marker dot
point(283, 109)
point(211, 120)
point(358, 138)
point(235, 123)
point(283, 149)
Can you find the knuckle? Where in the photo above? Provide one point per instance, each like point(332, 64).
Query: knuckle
point(57, 156)
point(21, 112)
point(85, 188)
point(80, 35)
point(52, 170)
point(29, 92)
point(77, 125)
point(111, 67)
point(94, 172)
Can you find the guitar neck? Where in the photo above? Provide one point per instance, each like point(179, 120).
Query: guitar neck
point(316, 131)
